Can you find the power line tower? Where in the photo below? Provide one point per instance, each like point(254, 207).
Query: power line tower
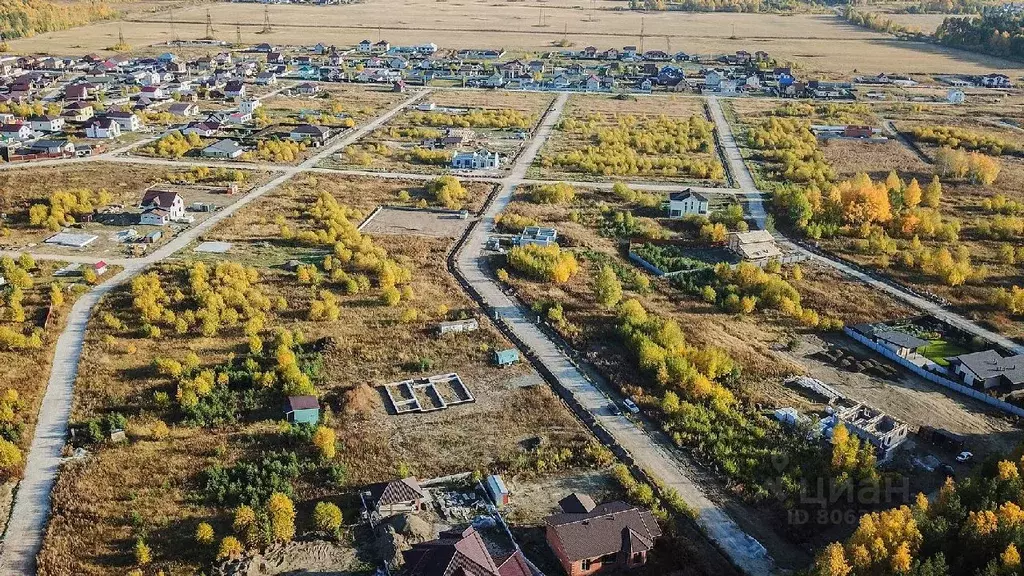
point(593, 3)
point(120, 37)
point(238, 34)
point(668, 44)
point(174, 31)
point(266, 19)
point(209, 26)
point(642, 22)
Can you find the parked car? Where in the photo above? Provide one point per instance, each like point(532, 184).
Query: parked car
point(613, 409)
point(964, 457)
point(947, 470)
point(631, 406)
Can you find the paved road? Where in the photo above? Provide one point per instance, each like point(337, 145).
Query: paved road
point(741, 548)
point(747, 187)
point(756, 210)
point(25, 530)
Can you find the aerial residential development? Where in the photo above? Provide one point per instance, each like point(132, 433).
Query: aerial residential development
point(474, 289)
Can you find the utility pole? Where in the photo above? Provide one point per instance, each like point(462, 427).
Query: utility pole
point(668, 44)
point(593, 3)
point(565, 34)
point(238, 34)
point(209, 26)
point(174, 30)
point(266, 19)
point(120, 38)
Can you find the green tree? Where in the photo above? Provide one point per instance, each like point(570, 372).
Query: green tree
point(607, 288)
point(327, 517)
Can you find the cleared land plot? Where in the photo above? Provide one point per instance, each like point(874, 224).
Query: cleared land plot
point(646, 138)
point(334, 103)
point(416, 223)
point(876, 159)
point(914, 400)
point(95, 524)
point(126, 183)
point(423, 138)
point(817, 42)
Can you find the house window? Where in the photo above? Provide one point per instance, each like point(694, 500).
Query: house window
point(638, 558)
point(585, 564)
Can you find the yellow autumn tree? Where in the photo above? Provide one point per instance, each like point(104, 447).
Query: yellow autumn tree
point(1010, 557)
point(230, 549)
point(912, 194)
point(282, 517)
point(324, 440)
point(832, 561)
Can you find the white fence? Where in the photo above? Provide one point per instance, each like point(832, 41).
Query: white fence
point(933, 377)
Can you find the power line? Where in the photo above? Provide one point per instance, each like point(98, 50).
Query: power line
point(209, 26)
point(266, 19)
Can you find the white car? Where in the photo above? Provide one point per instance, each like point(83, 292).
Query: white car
point(631, 406)
point(964, 457)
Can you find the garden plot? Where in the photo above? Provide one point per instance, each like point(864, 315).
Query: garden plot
point(426, 136)
point(415, 222)
point(428, 394)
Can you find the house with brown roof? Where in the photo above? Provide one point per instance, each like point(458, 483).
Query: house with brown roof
point(464, 553)
point(588, 538)
point(395, 497)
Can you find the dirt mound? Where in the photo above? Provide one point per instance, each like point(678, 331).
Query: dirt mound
point(399, 533)
point(314, 557)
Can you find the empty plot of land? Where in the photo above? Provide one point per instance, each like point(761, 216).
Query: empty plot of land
point(409, 221)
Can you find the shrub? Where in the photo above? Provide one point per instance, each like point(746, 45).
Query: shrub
point(230, 549)
point(548, 263)
point(324, 440)
point(204, 534)
point(143, 555)
point(559, 193)
point(327, 517)
point(282, 517)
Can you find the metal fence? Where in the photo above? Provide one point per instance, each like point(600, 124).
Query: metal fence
point(933, 377)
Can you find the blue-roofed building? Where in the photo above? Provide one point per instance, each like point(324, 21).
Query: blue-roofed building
point(497, 490)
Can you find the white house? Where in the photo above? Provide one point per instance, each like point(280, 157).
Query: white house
point(184, 109)
point(687, 203)
point(103, 128)
point(15, 131)
point(126, 120)
point(365, 46)
point(477, 160)
point(160, 207)
point(249, 106)
point(234, 89)
point(955, 96)
point(78, 111)
point(46, 123)
point(266, 79)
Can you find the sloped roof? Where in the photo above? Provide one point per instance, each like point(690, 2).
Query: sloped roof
point(686, 195)
point(577, 503)
point(900, 338)
point(396, 491)
point(607, 529)
point(454, 552)
point(159, 198)
point(303, 403)
point(989, 364)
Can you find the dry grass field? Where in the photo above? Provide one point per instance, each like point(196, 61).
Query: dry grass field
point(393, 147)
point(99, 511)
point(817, 42)
point(360, 103)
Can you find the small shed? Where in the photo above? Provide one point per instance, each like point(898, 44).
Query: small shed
point(100, 268)
point(497, 490)
point(302, 410)
point(457, 326)
point(507, 357)
point(152, 237)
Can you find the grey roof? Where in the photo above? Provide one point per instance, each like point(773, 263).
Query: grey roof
point(989, 364)
point(900, 338)
point(229, 146)
point(686, 195)
point(577, 503)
